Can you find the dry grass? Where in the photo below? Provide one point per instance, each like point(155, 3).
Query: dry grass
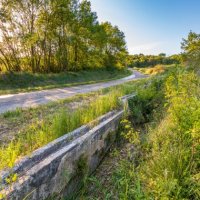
point(158, 69)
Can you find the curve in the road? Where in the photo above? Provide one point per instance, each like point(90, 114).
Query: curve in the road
point(32, 99)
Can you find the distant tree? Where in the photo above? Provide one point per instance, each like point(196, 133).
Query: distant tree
point(162, 55)
point(142, 60)
point(191, 48)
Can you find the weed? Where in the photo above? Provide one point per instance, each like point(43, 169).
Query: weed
point(172, 159)
point(147, 100)
point(13, 114)
point(128, 132)
point(11, 179)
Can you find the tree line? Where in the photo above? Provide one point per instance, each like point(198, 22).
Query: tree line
point(55, 36)
point(141, 60)
point(190, 55)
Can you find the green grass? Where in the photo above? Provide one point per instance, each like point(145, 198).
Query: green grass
point(171, 168)
point(15, 122)
point(25, 82)
point(42, 130)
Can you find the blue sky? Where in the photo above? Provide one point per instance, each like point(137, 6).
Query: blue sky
point(151, 26)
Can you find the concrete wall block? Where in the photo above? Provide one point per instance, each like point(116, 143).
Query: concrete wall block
point(55, 170)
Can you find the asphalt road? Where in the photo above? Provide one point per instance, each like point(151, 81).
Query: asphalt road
point(32, 99)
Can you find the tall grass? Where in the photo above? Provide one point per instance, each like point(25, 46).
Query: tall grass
point(170, 163)
point(171, 170)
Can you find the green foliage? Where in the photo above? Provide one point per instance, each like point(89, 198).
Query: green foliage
point(129, 133)
point(82, 166)
point(57, 36)
point(141, 60)
point(171, 168)
point(126, 182)
point(158, 69)
point(12, 114)
point(148, 98)
point(2, 196)
point(11, 179)
point(82, 172)
point(191, 47)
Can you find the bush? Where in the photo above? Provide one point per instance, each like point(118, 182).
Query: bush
point(148, 99)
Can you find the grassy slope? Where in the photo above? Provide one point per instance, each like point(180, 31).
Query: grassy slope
point(24, 82)
point(39, 126)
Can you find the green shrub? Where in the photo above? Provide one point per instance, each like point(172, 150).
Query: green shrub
point(148, 99)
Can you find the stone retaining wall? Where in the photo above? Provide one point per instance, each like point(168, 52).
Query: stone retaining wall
point(56, 170)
